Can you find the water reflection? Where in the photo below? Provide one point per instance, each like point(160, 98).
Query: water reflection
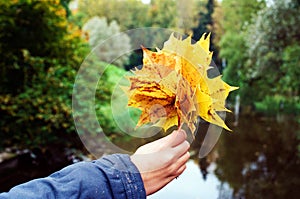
point(259, 160)
point(191, 185)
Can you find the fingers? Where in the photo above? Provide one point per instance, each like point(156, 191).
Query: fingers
point(175, 138)
point(172, 140)
point(184, 158)
point(170, 156)
point(180, 149)
point(180, 170)
point(177, 172)
point(161, 182)
point(175, 169)
point(159, 168)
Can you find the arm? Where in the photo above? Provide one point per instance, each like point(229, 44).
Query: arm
point(152, 167)
point(113, 176)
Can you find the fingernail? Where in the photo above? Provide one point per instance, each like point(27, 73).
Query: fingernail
point(181, 132)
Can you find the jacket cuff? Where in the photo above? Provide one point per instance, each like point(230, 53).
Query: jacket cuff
point(125, 171)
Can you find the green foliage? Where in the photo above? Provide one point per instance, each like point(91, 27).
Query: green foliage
point(41, 54)
point(99, 34)
point(109, 79)
point(238, 15)
point(205, 25)
point(291, 70)
point(261, 47)
point(18, 31)
point(272, 105)
point(92, 98)
point(41, 113)
point(230, 43)
point(186, 12)
point(16, 16)
point(133, 12)
point(162, 14)
point(274, 29)
point(41, 28)
point(205, 20)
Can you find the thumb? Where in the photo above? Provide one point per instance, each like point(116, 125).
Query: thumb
point(175, 138)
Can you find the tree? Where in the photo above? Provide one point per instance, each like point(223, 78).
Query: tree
point(19, 31)
point(162, 14)
point(217, 27)
point(290, 67)
point(237, 17)
point(186, 12)
point(206, 25)
point(268, 38)
point(98, 32)
point(41, 53)
point(134, 13)
point(205, 21)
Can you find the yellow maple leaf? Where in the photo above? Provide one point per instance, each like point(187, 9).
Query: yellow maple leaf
point(173, 88)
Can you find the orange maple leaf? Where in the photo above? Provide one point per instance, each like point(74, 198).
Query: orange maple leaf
point(173, 88)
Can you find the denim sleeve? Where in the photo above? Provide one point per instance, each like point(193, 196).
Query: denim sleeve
point(113, 176)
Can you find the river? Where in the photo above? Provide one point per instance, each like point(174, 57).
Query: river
point(259, 159)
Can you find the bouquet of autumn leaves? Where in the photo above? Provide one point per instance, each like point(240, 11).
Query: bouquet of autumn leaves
point(173, 87)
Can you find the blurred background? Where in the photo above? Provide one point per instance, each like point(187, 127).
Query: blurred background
point(256, 45)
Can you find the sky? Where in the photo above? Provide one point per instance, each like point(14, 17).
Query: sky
point(146, 1)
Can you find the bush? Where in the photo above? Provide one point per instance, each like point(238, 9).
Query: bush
point(98, 32)
point(90, 98)
point(272, 105)
point(40, 114)
point(41, 54)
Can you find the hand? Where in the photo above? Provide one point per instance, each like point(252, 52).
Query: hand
point(161, 161)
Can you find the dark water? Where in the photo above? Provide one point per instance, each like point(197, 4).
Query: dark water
point(260, 159)
point(25, 165)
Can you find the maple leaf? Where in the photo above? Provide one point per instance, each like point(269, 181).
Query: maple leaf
point(173, 88)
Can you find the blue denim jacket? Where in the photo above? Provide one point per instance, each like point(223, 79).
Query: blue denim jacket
point(113, 176)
